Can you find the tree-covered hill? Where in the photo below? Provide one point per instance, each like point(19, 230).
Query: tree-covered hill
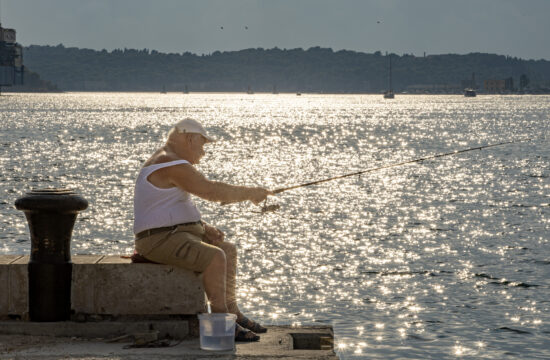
point(294, 70)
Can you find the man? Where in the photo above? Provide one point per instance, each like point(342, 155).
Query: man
point(168, 226)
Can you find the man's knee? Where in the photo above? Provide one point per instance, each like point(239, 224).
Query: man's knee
point(229, 249)
point(218, 259)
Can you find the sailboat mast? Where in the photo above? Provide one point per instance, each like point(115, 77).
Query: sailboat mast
point(391, 88)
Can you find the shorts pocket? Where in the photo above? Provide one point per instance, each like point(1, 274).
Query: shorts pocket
point(188, 252)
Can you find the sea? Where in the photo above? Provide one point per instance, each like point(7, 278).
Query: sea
point(445, 258)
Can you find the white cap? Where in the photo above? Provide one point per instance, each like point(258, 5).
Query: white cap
point(192, 126)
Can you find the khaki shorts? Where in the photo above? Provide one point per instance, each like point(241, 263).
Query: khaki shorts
point(181, 247)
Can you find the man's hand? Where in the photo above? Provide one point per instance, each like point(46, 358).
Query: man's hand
point(258, 194)
point(212, 235)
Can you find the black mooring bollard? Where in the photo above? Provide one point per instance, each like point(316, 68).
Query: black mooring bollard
point(51, 214)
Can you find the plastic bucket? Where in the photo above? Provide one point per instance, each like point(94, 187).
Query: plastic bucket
point(217, 331)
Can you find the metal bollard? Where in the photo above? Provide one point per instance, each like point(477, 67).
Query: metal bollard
point(51, 214)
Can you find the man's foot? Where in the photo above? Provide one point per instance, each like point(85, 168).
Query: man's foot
point(244, 335)
point(251, 325)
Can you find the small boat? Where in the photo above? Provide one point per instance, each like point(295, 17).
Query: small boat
point(389, 94)
point(468, 92)
point(249, 91)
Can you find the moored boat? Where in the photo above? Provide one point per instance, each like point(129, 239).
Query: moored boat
point(469, 92)
point(389, 94)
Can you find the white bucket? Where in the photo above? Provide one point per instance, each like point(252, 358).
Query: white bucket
point(217, 331)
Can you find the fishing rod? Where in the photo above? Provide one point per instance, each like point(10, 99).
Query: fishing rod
point(280, 190)
point(269, 208)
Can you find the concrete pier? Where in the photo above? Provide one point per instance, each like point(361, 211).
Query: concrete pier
point(278, 343)
point(116, 304)
point(109, 285)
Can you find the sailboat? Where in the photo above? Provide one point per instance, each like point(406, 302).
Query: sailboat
point(470, 91)
point(389, 94)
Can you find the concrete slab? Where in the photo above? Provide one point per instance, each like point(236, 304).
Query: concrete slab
point(83, 286)
point(86, 259)
point(8, 259)
point(175, 329)
point(114, 259)
point(4, 295)
point(82, 289)
point(5, 260)
point(23, 260)
point(122, 288)
point(277, 343)
point(109, 285)
point(18, 287)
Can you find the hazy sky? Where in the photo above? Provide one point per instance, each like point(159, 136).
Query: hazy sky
point(508, 27)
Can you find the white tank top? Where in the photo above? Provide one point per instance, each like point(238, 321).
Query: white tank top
point(156, 207)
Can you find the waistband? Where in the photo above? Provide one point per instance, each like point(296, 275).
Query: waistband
point(153, 231)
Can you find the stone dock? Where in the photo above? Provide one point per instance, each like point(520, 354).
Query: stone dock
point(122, 310)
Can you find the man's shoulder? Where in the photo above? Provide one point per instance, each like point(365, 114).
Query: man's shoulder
point(183, 168)
point(165, 158)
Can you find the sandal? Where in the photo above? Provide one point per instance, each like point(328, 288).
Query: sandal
point(245, 335)
point(251, 325)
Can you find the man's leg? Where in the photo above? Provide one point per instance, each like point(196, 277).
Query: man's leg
point(231, 277)
point(230, 289)
point(213, 279)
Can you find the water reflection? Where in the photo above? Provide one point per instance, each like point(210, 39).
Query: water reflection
point(442, 259)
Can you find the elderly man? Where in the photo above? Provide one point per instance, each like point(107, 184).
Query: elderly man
point(168, 227)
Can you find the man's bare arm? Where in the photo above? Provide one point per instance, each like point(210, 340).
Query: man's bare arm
point(187, 178)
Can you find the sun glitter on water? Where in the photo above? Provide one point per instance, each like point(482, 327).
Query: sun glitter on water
point(415, 257)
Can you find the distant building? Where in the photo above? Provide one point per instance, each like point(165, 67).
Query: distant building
point(434, 89)
point(493, 85)
point(11, 59)
point(499, 86)
point(509, 84)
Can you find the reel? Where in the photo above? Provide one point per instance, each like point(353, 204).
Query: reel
point(270, 208)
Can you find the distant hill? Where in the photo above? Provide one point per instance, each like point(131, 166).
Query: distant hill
point(295, 70)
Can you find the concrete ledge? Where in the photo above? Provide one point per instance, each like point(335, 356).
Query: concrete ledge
point(174, 329)
point(278, 343)
point(14, 285)
point(109, 285)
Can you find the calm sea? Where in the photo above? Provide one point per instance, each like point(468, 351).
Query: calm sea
point(444, 259)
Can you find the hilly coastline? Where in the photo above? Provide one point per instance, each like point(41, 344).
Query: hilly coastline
point(316, 69)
